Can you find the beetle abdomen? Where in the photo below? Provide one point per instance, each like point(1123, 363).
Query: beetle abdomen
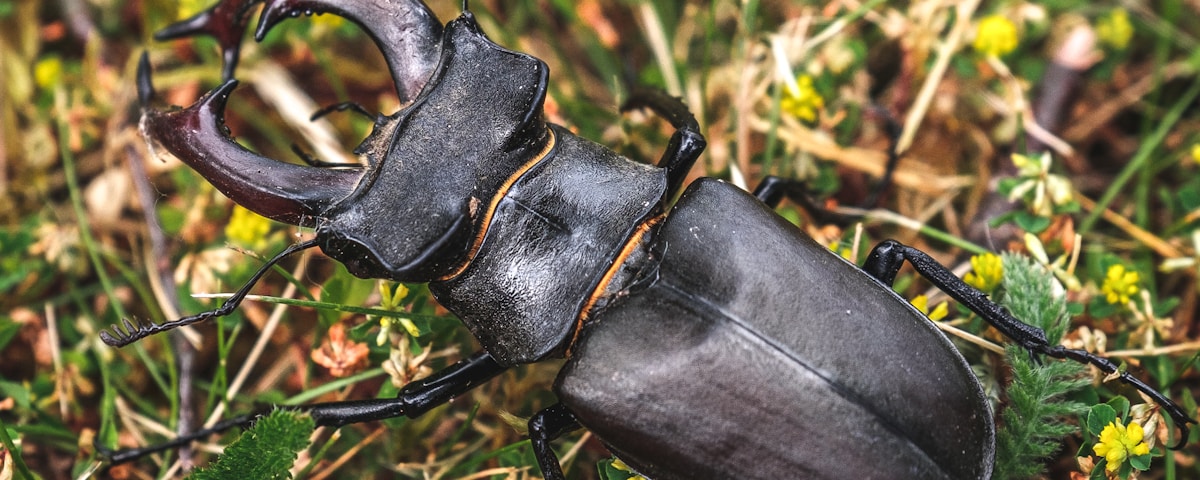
point(760, 354)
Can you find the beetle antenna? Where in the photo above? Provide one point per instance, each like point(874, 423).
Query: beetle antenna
point(465, 8)
point(316, 162)
point(135, 330)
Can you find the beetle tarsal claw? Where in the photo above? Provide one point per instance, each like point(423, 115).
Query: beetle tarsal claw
point(132, 331)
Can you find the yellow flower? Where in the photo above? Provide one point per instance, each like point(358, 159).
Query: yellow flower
point(1119, 285)
point(246, 227)
point(939, 312)
point(996, 36)
point(47, 72)
point(1118, 443)
point(1114, 29)
point(986, 272)
point(802, 100)
point(1196, 152)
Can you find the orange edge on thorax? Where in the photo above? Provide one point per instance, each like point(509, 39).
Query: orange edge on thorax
point(618, 262)
point(491, 208)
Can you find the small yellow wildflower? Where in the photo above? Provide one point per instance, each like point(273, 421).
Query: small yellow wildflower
point(939, 312)
point(986, 272)
point(246, 227)
point(1119, 285)
point(47, 72)
point(996, 36)
point(392, 299)
point(1114, 29)
point(1196, 152)
point(1118, 443)
point(802, 100)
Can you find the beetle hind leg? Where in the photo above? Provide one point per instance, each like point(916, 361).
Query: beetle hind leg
point(887, 258)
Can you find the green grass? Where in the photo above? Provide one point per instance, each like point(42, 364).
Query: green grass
point(77, 255)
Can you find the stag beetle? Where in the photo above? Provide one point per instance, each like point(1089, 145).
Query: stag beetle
point(703, 339)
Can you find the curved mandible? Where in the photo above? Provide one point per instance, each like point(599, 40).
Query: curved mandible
point(198, 136)
point(406, 31)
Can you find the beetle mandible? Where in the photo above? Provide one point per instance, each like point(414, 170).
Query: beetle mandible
point(547, 245)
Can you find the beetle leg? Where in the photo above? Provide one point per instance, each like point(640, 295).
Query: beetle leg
point(120, 337)
point(545, 426)
point(416, 398)
point(772, 190)
point(686, 143)
point(886, 259)
point(316, 162)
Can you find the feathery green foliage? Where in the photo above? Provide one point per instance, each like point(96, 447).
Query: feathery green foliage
point(267, 450)
point(1033, 421)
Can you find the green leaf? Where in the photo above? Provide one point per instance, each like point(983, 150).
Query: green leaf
point(1034, 423)
point(267, 450)
point(1099, 417)
point(1120, 405)
point(1141, 462)
point(1031, 223)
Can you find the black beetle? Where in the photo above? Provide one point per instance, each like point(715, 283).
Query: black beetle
point(686, 353)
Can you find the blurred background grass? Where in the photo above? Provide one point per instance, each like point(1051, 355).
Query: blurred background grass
point(95, 228)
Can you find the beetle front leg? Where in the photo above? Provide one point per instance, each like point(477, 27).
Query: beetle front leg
point(545, 426)
point(887, 258)
point(129, 332)
point(414, 399)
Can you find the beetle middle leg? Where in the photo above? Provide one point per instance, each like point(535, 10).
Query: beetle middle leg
point(416, 398)
point(887, 258)
point(548, 424)
point(686, 143)
point(337, 107)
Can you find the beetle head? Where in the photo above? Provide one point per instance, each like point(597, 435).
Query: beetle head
point(416, 212)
